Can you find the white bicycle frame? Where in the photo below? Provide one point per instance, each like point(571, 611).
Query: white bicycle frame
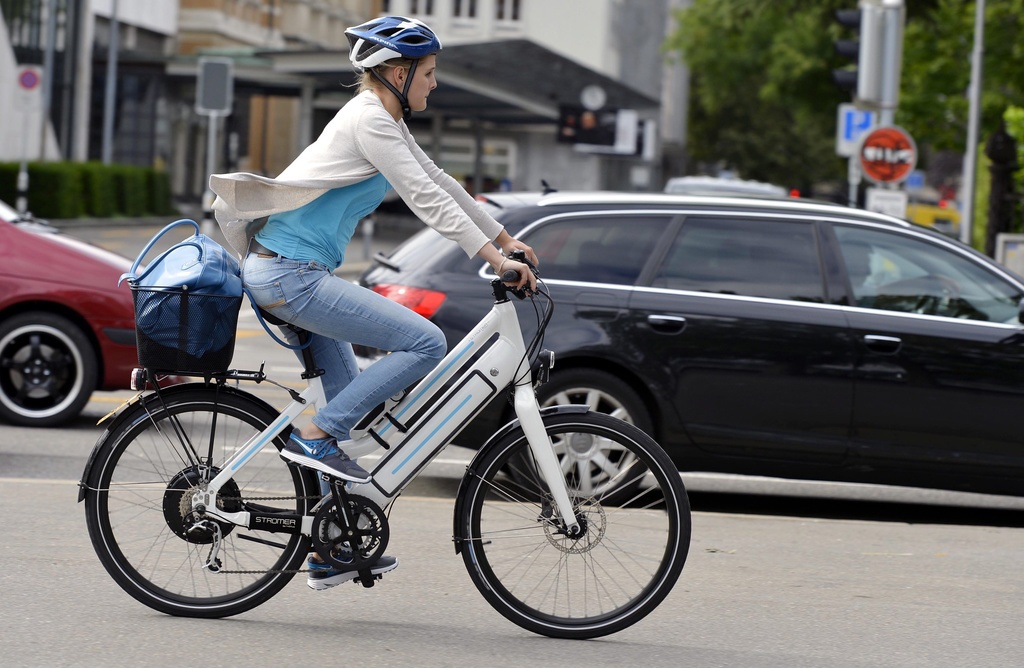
point(426, 419)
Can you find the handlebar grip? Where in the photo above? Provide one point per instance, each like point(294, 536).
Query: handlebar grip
point(510, 276)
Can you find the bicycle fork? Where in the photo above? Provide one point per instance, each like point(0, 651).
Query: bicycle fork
point(527, 409)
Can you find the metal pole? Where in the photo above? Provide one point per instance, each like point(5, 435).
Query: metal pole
point(211, 165)
point(894, 17)
point(111, 89)
point(51, 39)
point(853, 180)
point(971, 153)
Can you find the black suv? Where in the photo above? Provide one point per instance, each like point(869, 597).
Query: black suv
point(771, 337)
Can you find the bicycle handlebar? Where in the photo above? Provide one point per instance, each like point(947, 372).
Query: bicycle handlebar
point(512, 276)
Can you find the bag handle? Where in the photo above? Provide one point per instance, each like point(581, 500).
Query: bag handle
point(138, 260)
point(266, 326)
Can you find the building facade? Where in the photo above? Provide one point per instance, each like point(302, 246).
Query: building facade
point(509, 71)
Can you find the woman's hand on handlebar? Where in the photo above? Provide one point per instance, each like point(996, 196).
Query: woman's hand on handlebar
point(502, 264)
point(509, 244)
point(523, 273)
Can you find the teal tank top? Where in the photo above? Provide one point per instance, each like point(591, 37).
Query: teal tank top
point(322, 229)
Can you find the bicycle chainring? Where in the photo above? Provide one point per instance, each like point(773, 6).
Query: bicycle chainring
point(353, 540)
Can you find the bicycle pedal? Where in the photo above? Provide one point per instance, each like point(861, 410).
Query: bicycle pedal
point(368, 579)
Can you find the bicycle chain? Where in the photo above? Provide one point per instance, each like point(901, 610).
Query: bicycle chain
point(269, 498)
point(293, 571)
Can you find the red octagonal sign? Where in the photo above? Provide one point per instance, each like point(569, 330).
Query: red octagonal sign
point(888, 154)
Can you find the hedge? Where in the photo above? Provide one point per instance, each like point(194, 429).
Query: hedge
point(81, 189)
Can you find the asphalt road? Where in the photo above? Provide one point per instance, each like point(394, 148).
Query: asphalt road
point(780, 573)
point(758, 590)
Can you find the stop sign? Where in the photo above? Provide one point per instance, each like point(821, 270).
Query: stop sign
point(888, 154)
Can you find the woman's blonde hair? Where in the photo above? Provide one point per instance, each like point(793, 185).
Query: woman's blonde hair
point(369, 82)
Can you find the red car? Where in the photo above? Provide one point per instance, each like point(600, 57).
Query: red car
point(66, 327)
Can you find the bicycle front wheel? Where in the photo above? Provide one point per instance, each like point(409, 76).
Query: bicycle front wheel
point(138, 504)
point(630, 552)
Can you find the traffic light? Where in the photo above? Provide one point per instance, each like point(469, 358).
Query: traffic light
point(847, 48)
point(878, 52)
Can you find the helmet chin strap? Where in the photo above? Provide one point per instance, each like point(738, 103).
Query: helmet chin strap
point(403, 96)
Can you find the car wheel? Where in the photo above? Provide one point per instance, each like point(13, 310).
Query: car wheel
point(48, 369)
point(597, 466)
point(599, 390)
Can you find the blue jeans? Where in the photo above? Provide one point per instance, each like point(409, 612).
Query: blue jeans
point(339, 313)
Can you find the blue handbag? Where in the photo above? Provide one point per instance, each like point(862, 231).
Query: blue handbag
point(186, 304)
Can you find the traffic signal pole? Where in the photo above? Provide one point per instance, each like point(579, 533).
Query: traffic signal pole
point(878, 53)
point(971, 154)
point(893, 19)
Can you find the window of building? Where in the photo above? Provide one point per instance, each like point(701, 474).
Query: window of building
point(421, 7)
point(458, 158)
point(507, 10)
point(464, 9)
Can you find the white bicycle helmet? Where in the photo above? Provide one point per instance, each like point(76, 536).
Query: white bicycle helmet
point(388, 37)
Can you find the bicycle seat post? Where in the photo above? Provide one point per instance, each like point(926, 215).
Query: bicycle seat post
point(310, 369)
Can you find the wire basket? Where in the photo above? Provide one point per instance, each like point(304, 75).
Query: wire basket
point(179, 331)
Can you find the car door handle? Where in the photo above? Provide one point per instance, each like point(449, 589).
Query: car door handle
point(883, 344)
point(668, 324)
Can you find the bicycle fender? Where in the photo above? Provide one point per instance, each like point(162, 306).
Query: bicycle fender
point(132, 414)
point(497, 436)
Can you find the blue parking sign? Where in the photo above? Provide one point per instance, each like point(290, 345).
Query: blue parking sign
point(851, 124)
point(915, 180)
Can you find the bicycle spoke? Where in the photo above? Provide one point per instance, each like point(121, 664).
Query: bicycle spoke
point(141, 517)
point(630, 548)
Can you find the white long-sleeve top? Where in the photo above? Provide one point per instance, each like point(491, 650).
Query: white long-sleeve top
point(362, 139)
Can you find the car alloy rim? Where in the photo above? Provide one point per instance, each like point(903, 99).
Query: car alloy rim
point(596, 463)
point(39, 371)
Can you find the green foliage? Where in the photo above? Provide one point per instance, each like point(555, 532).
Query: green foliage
point(1014, 118)
point(79, 189)
point(100, 199)
point(55, 190)
point(937, 68)
point(8, 182)
point(160, 192)
point(132, 189)
point(763, 101)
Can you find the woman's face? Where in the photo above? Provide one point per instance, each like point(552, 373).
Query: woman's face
point(422, 83)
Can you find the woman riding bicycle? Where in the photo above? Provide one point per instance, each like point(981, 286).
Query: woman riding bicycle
point(294, 230)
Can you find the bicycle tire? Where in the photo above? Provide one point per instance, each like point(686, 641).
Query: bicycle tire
point(620, 570)
point(135, 510)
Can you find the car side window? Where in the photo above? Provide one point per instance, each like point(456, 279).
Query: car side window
point(754, 257)
point(893, 272)
point(596, 249)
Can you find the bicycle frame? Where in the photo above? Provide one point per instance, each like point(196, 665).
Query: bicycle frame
point(428, 417)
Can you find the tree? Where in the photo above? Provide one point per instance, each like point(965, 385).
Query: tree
point(763, 101)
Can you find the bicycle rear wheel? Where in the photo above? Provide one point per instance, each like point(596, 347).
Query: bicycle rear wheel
point(139, 488)
point(628, 558)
